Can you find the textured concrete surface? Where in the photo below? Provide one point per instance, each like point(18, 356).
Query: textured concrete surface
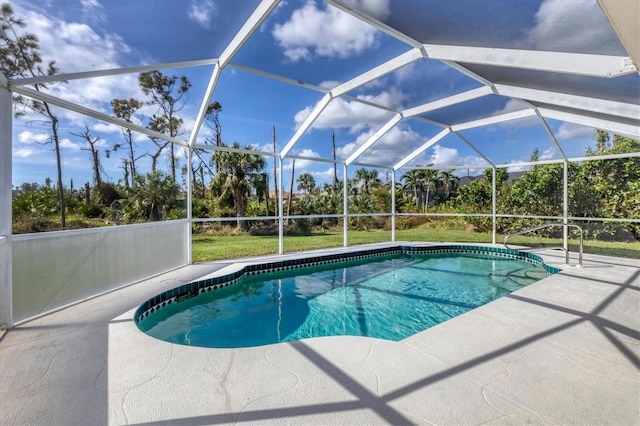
point(565, 350)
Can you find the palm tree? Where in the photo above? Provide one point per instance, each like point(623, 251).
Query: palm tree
point(432, 182)
point(234, 178)
point(154, 192)
point(366, 179)
point(306, 183)
point(449, 181)
point(413, 179)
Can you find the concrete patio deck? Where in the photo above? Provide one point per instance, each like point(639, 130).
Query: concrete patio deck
point(564, 350)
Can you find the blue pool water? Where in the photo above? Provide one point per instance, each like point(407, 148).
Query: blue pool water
point(391, 298)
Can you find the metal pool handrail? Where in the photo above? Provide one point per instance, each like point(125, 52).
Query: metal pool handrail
point(548, 225)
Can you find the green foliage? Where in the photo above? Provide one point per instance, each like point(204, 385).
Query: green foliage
point(91, 211)
point(306, 183)
point(233, 182)
point(152, 197)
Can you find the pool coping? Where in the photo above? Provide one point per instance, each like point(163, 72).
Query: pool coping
point(233, 274)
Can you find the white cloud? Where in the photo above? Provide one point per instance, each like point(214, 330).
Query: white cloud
point(329, 84)
point(388, 150)
point(92, 10)
point(76, 47)
point(201, 12)
point(313, 31)
point(570, 131)
point(67, 144)
point(28, 137)
point(445, 156)
point(569, 25)
point(24, 152)
point(548, 154)
point(341, 113)
point(302, 164)
point(325, 175)
point(106, 128)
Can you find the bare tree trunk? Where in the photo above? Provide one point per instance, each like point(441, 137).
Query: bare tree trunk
point(56, 140)
point(87, 194)
point(95, 154)
point(156, 155)
point(125, 166)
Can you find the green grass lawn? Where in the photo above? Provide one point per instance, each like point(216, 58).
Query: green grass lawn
point(212, 247)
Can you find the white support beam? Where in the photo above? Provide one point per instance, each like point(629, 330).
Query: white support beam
point(465, 71)
point(231, 149)
point(308, 122)
point(254, 21)
point(374, 138)
point(474, 148)
point(369, 103)
point(624, 17)
point(34, 94)
point(558, 62)
point(611, 126)
point(377, 72)
point(551, 135)
point(250, 26)
point(277, 77)
point(584, 103)
point(494, 119)
point(422, 149)
point(202, 112)
point(6, 285)
point(448, 101)
point(110, 72)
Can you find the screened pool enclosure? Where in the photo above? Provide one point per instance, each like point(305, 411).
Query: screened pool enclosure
point(326, 88)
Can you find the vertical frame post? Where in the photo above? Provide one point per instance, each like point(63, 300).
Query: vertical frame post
point(393, 205)
point(6, 285)
point(345, 206)
point(189, 201)
point(280, 207)
point(565, 205)
point(493, 205)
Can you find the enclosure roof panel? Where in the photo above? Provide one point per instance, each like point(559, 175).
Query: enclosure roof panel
point(371, 75)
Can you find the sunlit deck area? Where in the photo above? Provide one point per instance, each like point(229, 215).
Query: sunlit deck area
point(564, 350)
point(413, 119)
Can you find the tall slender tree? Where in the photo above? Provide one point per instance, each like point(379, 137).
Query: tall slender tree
point(449, 181)
point(95, 154)
point(20, 56)
point(125, 110)
point(413, 180)
point(168, 94)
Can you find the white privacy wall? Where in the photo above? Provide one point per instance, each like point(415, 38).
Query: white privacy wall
point(54, 269)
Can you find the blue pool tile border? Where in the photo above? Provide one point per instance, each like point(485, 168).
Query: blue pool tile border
point(195, 288)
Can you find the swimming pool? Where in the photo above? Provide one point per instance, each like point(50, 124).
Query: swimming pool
point(389, 293)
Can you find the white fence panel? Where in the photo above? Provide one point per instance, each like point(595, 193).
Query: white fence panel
point(54, 269)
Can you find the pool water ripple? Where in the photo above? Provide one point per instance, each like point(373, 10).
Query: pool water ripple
point(392, 297)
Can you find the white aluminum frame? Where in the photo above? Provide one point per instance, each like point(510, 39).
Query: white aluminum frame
point(618, 117)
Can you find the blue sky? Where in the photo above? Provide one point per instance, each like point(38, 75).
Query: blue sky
point(307, 41)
